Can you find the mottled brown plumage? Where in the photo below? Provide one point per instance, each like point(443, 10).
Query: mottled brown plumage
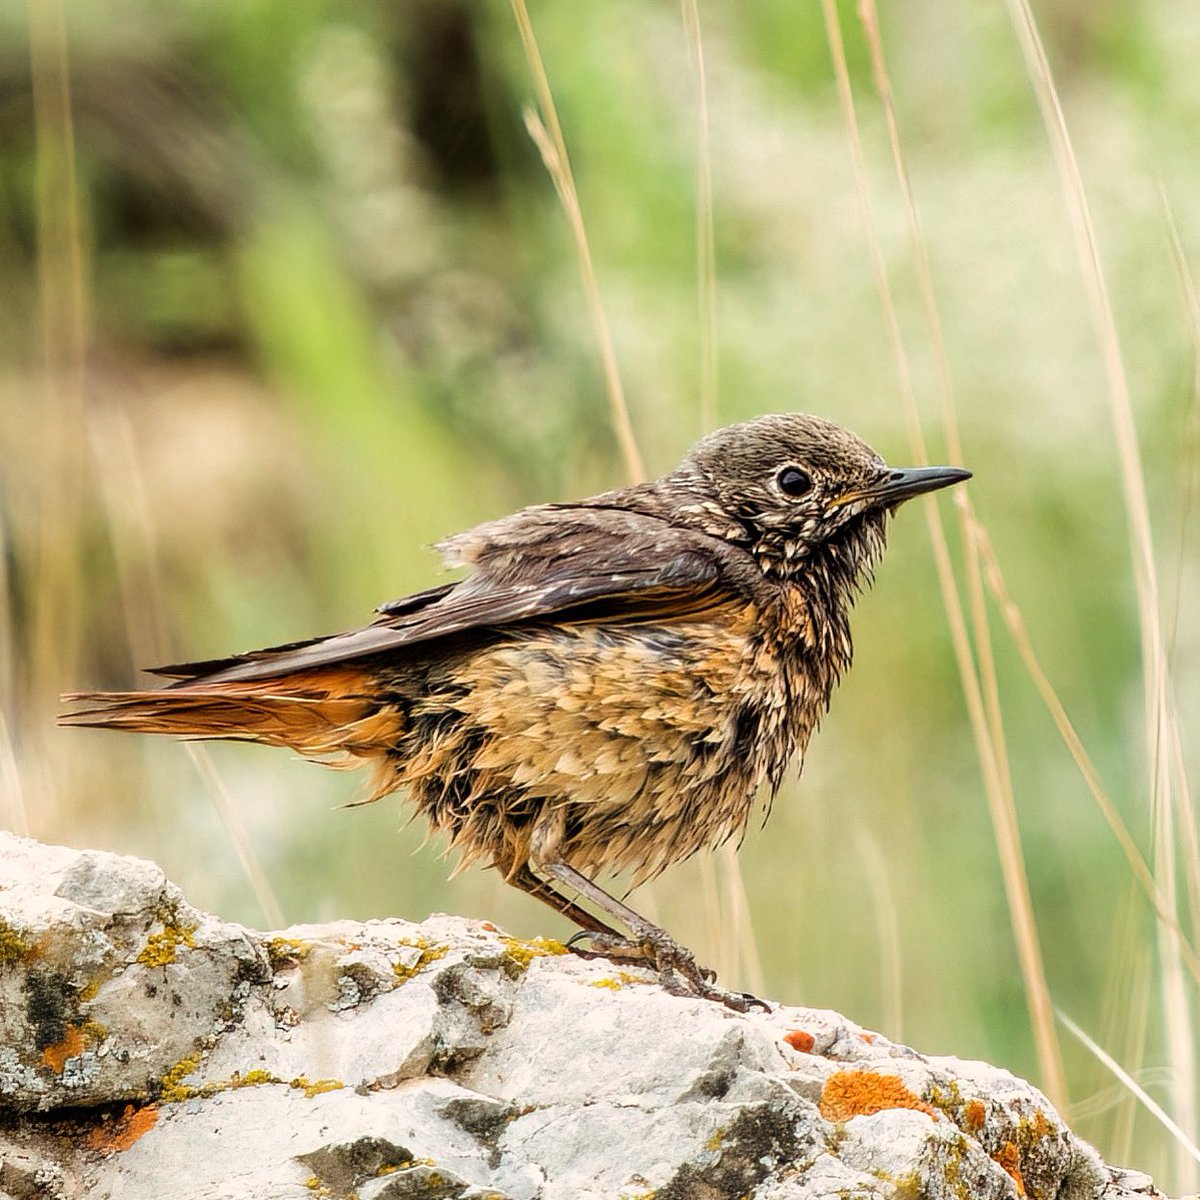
point(611, 686)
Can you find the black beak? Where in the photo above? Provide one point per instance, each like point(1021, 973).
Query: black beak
point(902, 484)
point(907, 482)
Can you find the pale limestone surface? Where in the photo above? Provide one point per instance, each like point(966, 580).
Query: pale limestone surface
point(150, 1050)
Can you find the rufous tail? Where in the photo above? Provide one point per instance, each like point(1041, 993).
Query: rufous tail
point(328, 714)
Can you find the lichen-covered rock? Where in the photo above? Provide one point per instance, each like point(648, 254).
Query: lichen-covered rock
point(151, 1050)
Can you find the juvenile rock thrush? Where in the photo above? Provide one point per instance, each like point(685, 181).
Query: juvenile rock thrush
point(611, 685)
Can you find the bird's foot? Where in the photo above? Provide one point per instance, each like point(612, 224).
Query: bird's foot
point(678, 970)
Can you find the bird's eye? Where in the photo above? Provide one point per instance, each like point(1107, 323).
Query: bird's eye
point(793, 481)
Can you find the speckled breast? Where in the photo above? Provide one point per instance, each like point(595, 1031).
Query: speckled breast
point(608, 746)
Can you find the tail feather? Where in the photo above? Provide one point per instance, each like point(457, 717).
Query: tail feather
point(320, 714)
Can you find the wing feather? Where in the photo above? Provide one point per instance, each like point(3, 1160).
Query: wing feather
point(542, 563)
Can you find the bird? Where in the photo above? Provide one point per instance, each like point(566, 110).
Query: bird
point(610, 687)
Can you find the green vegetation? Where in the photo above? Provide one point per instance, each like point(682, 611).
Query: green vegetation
point(288, 295)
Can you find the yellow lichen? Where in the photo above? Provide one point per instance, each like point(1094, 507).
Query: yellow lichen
point(254, 1078)
point(607, 982)
point(160, 948)
point(948, 1099)
point(316, 1086)
point(13, 947)
point(716, 1139)
point(849, 1094)
point(952, 1172)
point(908, 1186)
point(286, 951)
point(173, 1087)
point(519, 954)
point(430, 952)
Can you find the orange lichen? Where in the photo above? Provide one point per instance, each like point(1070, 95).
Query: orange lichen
point(113, 1137)
point(73, 1042)
point(849, 1094)
point(1040, 1127)
point(974, 1115)
point(1009, 1157)
point(800, 1040)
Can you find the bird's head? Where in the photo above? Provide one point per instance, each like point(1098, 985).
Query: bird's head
point(805, 491)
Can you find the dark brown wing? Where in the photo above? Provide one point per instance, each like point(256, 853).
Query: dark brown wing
point(546, 562)
point(193, 670)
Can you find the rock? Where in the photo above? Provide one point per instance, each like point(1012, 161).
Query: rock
point(152, 1050)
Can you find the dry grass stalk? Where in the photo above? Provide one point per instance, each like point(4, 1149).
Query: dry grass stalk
point(1185, 1143)
point(997, 783)
point(547, 135)
point(706, 270)
point(1162, 718)
point(63, 321)
point(242, 847)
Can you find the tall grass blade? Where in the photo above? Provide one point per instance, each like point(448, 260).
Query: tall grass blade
point(1161, 715)
point(997, 785)
point(62, 313)
point(547, 135)
point(1185, 1143)
point(1020, 636)
point(706, 269)
point(232, 821)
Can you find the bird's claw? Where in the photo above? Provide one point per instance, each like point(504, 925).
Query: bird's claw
point(678, 970)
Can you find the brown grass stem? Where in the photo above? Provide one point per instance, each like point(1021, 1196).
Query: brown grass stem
point(1189, 489)
point(985, 659)
point(546, 131)
point(884, 906)
point(869, 17)
point(62, 314)
point(1000, 800)
point(737, 924)
point(10, 782)
point(1161, 714)
point(735, 911)
point(547, 135)
point(1182, 1140)
point(239, 839)
point(985, 656)
point(1012, 617)
point(706, 270)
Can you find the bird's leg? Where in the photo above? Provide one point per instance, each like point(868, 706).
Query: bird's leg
point(606, 941)
point(539, 889)
point(676, 965)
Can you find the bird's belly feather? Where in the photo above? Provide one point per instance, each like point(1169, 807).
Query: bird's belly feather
point(620, 747)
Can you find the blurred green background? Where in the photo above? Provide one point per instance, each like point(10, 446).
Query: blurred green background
point(286, 295)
